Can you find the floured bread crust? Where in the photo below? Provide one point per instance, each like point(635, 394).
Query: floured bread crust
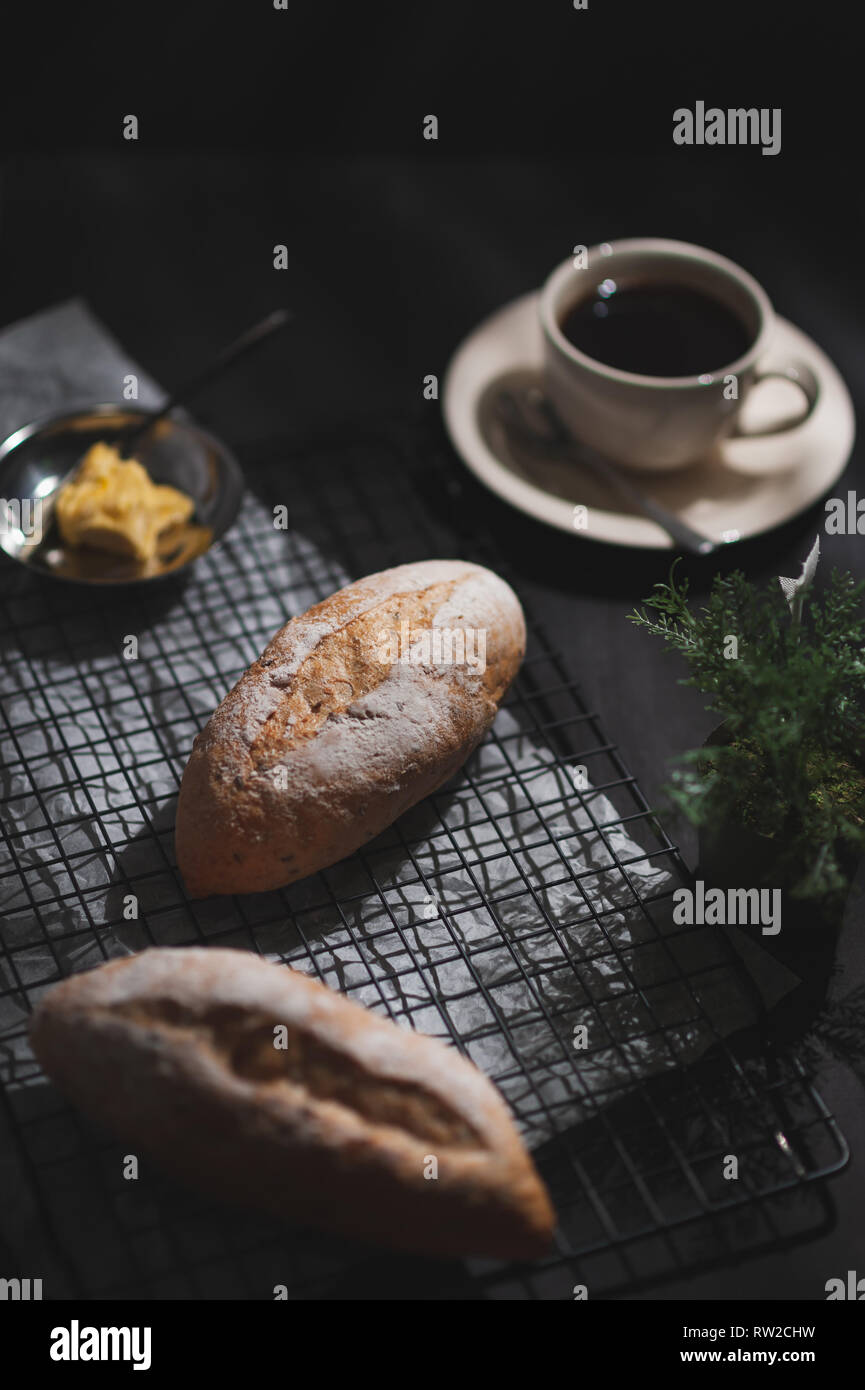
point(326, 739)
point(173, 1050)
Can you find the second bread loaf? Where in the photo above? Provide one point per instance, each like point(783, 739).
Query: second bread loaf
point(250, 1081)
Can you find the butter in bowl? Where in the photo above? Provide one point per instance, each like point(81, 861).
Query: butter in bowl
point(73, 505)
point(77, 509)
point(112, 504)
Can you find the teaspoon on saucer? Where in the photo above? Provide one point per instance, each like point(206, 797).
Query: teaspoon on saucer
point(529, 417)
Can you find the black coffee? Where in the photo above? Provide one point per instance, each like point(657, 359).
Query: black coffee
point(656, 330)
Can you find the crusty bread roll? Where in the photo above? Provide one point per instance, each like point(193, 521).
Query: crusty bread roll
point(342, 724)
point(174, 1050)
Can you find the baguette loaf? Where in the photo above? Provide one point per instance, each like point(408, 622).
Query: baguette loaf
point(354, 712)
point(174, 1049)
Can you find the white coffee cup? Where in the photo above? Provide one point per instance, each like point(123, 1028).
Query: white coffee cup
point(661, 423)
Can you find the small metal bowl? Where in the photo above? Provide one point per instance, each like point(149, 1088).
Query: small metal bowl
point(37, 457)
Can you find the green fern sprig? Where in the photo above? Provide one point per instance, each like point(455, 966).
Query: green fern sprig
point(792, 698)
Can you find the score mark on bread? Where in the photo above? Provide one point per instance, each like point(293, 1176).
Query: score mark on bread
point(173, 1050)
point(336, 730)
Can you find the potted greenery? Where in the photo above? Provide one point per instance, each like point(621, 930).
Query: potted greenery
point(778, 792)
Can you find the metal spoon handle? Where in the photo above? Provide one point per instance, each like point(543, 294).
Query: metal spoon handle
point(678, 530)
point(546, 431)
point(229, 355)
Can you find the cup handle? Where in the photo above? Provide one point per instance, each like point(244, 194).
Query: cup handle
point(802, 376)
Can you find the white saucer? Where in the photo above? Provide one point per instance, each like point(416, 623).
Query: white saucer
point(745, 487)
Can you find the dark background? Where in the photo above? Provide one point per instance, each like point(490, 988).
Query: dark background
point(260, 127)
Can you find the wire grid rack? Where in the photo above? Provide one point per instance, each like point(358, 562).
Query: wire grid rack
point(516, 904)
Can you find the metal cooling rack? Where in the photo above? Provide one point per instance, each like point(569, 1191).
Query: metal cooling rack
point(481, 917)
